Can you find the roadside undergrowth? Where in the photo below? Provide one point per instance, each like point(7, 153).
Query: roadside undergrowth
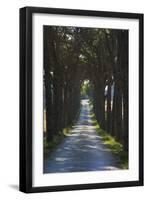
point(57, 139)
point(50, 146)
point(111, 143)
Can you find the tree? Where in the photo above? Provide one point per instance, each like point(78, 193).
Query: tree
point(74, 54)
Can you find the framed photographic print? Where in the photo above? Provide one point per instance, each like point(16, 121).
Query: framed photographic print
point(81, 99)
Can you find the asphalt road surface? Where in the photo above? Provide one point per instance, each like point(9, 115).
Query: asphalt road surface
point(83, 150)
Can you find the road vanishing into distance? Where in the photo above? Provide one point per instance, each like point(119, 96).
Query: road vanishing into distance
point(82, 150)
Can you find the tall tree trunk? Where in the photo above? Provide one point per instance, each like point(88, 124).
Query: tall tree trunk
point(47, 83)
point(117, 113)
point(109, 117)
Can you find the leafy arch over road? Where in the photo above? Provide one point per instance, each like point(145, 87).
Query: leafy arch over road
point(74, 54)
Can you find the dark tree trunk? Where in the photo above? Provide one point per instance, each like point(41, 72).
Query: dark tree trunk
point(117, 113)
point(47, 83)
point(109, 116)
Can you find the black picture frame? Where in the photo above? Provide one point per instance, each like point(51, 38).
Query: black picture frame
point(26, 96)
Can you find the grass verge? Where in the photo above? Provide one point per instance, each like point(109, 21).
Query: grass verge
point(111, 143)
point(50, 146)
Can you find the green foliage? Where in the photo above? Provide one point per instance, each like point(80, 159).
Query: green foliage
point(85, 88)
point(49, 146)
point(66, 131)
point(112, 144)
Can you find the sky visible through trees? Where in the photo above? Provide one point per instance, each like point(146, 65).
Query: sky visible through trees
point(86, 63)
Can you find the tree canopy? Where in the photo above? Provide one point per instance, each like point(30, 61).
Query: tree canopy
point(73, 55)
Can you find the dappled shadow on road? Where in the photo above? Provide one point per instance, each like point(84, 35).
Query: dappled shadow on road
point(82, 150)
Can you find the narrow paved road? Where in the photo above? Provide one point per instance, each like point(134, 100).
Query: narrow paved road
point(83, 150)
